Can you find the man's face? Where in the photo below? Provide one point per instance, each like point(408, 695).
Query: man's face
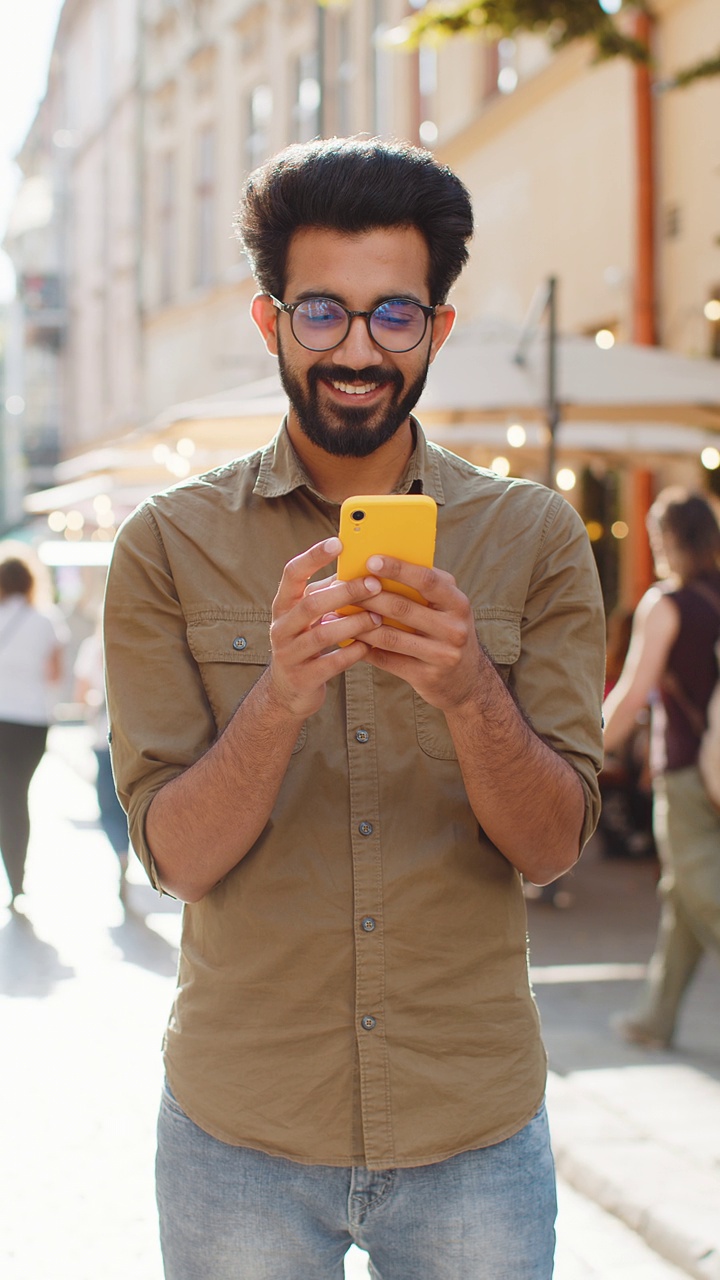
point(350, 400)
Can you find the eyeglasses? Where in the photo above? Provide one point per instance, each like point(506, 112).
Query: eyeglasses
point(319, 324)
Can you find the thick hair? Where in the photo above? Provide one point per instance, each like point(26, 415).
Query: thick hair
point(691, 521)
point(15, 578)
point(354, 185)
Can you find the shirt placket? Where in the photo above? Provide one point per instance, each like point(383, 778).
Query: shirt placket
point(368, 920)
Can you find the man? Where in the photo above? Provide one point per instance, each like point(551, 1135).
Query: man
point(354, 1052)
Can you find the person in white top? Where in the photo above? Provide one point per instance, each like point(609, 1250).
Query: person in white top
point(30, 663)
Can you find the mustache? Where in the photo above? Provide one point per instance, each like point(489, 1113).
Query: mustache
point(341, 373)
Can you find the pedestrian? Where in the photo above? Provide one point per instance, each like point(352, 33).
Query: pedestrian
point(90, 691)
point(672, 656)
point(354, 1052)
point(626, 815)
point(31, 643)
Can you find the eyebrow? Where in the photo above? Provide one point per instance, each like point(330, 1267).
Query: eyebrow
point(304, 294)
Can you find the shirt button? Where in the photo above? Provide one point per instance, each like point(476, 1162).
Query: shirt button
point(368, 1023)
point(362, 735)
point(368, 924)
point(365, 828)
point(239, 642)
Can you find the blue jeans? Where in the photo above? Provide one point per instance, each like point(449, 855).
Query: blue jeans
point(112, 814)
point(229, 1213)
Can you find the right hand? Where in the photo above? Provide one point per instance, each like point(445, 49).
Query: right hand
point(306, 629)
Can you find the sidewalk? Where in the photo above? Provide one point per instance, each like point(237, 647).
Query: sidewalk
point(638, 1132)
point(85, 992)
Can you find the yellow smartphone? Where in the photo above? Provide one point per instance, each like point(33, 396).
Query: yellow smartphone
point(394, 524)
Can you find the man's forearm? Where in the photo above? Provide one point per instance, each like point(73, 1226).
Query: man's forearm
point(528, 800)
point(200, 825)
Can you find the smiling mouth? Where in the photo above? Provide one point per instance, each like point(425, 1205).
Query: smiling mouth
point(356, 388)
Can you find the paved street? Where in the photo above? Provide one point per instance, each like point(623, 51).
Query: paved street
point(84, 993)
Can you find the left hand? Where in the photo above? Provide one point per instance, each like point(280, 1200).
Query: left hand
point(441, 658)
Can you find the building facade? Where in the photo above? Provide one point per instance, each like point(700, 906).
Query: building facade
point(157, 109)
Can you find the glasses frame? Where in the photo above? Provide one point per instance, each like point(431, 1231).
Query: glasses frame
point(290, 308)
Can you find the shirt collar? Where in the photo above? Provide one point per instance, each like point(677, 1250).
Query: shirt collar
point(281, 471)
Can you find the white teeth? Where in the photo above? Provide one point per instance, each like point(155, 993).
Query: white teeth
point(355, 389)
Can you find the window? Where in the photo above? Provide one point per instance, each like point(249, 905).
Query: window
point(259, 118)
point(345, 76)
point(384, 73)
point(205, 208)
point(166, 227)
point(305, 122)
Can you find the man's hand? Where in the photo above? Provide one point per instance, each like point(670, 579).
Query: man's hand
point(306, 629)
point(441, 658)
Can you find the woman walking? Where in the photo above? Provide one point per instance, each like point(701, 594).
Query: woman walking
point(671, 662)
point(30, 663)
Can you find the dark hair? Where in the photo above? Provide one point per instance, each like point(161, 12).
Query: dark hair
point(691, 521)
point(353, 185)
point(15, 578)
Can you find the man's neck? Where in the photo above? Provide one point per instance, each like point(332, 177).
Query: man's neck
point(338, 478)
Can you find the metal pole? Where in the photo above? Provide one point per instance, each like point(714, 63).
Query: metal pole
point(553, 408)
point(545, 302)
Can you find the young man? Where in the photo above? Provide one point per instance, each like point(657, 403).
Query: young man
point(354, 1051)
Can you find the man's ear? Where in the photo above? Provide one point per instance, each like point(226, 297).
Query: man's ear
point(265, 315)
point(442, 327)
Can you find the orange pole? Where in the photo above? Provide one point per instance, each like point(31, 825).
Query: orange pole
point(644, 324)
point(642, 569)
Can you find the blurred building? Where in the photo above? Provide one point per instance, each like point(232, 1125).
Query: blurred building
point(132, 311)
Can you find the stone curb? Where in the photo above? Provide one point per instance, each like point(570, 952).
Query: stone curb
point(671, 1199)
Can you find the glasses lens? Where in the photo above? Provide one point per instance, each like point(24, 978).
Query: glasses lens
point(319, 324)
point(398, 325)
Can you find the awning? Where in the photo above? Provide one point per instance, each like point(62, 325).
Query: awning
point(477, 376)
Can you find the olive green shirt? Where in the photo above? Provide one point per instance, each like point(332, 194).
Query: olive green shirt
point(355, 991)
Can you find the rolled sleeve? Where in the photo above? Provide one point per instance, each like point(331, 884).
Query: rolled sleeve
point(559, 675)
point(160, 719)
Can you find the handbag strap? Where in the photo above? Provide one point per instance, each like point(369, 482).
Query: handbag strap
point(670, 684)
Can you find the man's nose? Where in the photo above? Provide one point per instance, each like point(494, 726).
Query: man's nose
point(358, 349)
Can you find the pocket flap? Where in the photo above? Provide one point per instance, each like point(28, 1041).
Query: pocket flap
point(499, 631)
point(230, 635)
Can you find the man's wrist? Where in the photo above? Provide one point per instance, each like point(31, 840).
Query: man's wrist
point(282, 707)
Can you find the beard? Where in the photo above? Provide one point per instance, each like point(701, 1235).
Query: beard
point(344, 431)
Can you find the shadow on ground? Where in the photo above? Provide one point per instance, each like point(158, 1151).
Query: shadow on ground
point(29, 966)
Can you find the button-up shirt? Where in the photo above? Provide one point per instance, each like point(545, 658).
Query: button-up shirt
point(355, 991)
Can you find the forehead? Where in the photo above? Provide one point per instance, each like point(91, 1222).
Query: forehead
point(358, 269)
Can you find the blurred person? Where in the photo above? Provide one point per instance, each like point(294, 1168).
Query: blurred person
point(31, 644)
point(89, 671)
point(672, 655)
point(625, 786)
point(354, 1051)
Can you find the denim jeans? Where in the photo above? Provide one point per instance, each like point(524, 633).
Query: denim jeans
point(229, 1213)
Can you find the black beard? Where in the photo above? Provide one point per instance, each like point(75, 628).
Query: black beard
point(349, 432)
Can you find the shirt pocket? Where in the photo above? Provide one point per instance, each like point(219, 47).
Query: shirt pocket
point(498, 631)
point(232, 650)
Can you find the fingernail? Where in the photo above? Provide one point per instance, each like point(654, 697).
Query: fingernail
point(375, 563)
point(372, 584)
point(376, 619)
point(332, 546)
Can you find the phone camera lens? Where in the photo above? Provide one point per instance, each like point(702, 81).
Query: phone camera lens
point(358, 515)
